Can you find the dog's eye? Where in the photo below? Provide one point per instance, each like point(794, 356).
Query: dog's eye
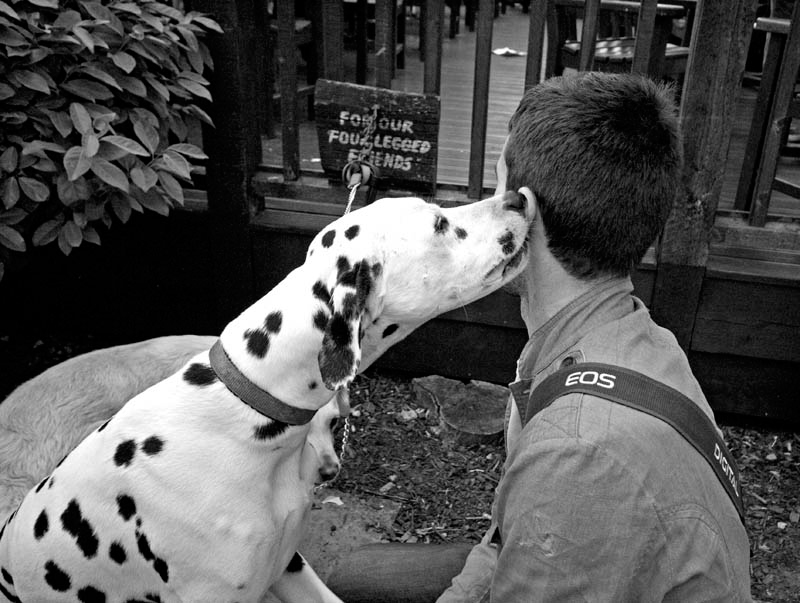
point(440, 224)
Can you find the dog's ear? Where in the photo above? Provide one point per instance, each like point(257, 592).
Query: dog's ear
point(341, 344)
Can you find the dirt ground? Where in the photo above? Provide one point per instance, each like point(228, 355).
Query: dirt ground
point(395, 450)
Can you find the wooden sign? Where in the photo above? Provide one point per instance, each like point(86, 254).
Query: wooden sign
point(397, 132)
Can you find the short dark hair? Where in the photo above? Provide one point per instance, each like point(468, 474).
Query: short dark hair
point(603, 154)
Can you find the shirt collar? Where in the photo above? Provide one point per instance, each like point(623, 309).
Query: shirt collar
point(609, 299)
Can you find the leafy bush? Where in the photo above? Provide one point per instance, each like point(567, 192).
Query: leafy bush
point(96, 101)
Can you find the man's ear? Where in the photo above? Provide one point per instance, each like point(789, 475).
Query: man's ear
point(340, 354)
point(533, 202)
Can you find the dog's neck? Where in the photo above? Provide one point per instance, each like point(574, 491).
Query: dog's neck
point(272, 345)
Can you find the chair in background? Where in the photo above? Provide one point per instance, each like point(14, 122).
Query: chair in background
point(628, 36)
point(776, 105)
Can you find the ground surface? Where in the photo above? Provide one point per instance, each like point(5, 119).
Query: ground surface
point(396, 452)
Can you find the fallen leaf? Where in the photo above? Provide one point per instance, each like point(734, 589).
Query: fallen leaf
point(333, 500)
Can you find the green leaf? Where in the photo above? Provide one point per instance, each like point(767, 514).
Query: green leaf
point(70, 192)
point(208, 24)
point(6, 91)
point(9, 192)
point(47, 232)
point(67, 19)
point(11, 239)
point(121, 208)
point(46, 165)
point(34, 189)
point(98, 74)
point(133, 85)
point(111, 152)
point(9, 159)
point(90, 235)
point(88, 89)
point(88, 39)
point(153, 201)
point(195, 77)
point(45, 3)
point(194, 88)
point(76, 162)
point(72, 233)
point(199, 113)
point(110, 174)
point(176, 164)
point(160, 88)
point(63, 244)
point(61, 121)
point(32, 80)
point(128, 7)
point(126, 144)
point(124, 61)
point(9, 37)
point(147, 134)
point(8, 11)
point(188, 149)
point(171, 186)
point(90, 144)
point(37, 148)
point(144, 177)
point(13, 216)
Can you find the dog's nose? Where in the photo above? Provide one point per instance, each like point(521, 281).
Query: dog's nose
point(328, 470)
point(514, 201)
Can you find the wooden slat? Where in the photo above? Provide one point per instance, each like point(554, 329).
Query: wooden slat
point(329, 43)
point(434, 18)
point(384, 45)
point(536, 37)
point(591, 10)
point(784, 90)
point(645, 38)
point(707, 113)
point(287, 75)
point(480, 98)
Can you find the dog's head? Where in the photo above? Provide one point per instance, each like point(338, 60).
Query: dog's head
point(389, 267)
point(320, 463)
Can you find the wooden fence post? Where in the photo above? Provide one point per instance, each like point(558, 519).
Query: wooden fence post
point(480, 98)
point(720, 40)
point(234, 150)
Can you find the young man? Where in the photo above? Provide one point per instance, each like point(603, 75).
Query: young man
point(599, 502)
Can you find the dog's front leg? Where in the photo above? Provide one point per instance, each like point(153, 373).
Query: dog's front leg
point(300, 584)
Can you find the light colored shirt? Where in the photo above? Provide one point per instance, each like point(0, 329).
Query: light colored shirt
point(600, 502)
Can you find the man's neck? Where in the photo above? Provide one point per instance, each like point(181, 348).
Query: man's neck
point(548, 288)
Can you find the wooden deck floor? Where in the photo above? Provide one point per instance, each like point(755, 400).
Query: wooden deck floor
point(507, 77)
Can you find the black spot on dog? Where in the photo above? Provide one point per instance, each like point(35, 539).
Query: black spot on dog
point(339, 331)
point(144, 547)
point(342, 267)
point(148, 598)
point(313, 385)
point(507, 241)
point(162, 569)
point(320, 320)
point(89, 594)
point(124, 453)
point(460, 232)
point(138, 522)
point(441, 225)
point(80, 529)
point(8, 595)
point(51, 482)
point(335, 363)
point(41, 484)
point(103, 426)
point(258, 339)
point(6, 576)
point(389, 330)
point(199, 374)
point(350, 306)
point(269, 430)
point(116, 552)
point(152, 445)
point(352, 232)
point(41, 525)
point(327, 238)
point(377, 268)
point(63, 458)
point(57, 578)
point(126, 506)
point(321, 292)
point(295, 564)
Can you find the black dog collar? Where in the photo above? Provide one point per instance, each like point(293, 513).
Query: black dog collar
point(248, 392)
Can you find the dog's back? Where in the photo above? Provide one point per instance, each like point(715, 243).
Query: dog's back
point(46, 417)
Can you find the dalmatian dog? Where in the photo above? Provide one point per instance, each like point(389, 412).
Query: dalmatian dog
point(47, 416)
point(194, 490)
